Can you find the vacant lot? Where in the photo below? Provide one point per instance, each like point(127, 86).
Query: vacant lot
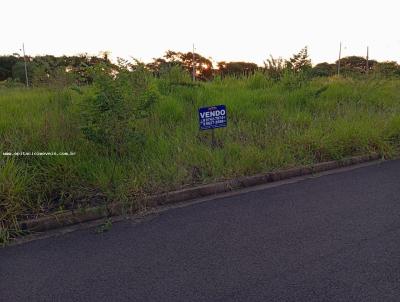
point(271, 125)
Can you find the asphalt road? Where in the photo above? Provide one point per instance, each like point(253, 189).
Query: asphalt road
point(332, 238)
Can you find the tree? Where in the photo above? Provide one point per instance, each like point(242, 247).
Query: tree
point(80, 65)
point(6, 66)
point(203, 66)
point(323, 70)
point(236, 68)
point(275, 68)
point(300, 61)
point(355, 64)
point(18, 71)
point(159, 66)
point(387, 68)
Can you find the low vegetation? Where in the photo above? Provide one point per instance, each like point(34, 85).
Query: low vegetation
point(131, 133)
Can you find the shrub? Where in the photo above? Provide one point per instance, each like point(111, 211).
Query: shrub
point(110, 114)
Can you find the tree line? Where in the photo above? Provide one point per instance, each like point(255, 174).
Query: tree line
point(64, 70)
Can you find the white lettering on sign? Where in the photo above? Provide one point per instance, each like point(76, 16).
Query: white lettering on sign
point(212, 113)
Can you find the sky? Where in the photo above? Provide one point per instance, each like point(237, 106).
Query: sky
point(229, 30)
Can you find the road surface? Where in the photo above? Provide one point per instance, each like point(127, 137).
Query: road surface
point(331, 238)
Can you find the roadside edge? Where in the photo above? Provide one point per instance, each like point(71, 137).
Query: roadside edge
point(69, 218)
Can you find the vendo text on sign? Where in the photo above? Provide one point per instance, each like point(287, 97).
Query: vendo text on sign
point(212, 117)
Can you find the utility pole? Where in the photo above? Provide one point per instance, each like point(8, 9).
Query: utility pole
point(340, 54)
point(194, 66)
point(26, 70)
point(367, 65)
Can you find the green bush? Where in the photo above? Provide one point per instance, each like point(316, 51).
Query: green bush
point(111, 112)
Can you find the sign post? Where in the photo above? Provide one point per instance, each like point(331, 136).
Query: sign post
point(211, 118)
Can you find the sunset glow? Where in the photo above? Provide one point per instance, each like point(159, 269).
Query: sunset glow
point(234, 31)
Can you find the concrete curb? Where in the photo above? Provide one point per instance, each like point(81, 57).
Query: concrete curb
point(84, 215)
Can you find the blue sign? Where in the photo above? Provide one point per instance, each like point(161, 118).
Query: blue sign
point(212, 117)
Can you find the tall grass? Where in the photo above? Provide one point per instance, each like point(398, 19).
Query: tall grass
point(271, 125)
